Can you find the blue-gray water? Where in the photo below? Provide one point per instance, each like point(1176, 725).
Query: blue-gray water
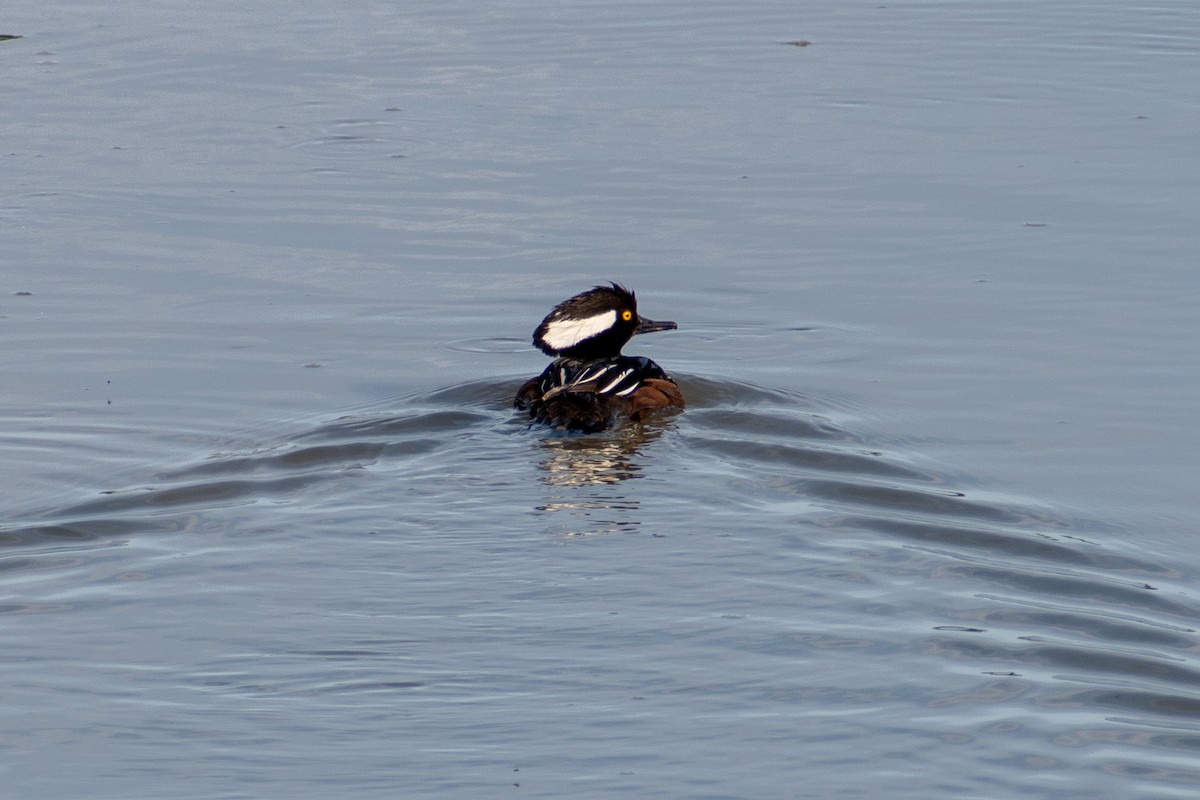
point(926, 529)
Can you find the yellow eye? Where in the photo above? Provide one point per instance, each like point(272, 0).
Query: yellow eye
point(627, 315)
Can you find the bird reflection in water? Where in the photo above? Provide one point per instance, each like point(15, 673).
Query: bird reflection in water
point(590, 472)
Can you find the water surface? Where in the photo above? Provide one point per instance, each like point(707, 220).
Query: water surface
point(923, 531)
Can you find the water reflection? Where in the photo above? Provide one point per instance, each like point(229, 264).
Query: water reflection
point(590, 470)
point(590, 460)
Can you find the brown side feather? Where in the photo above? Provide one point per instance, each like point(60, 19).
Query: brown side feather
point(653, 395)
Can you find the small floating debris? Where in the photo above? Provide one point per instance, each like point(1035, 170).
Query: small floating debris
point(798, 42)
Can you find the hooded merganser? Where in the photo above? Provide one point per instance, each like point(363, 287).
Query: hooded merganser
point(590, 384)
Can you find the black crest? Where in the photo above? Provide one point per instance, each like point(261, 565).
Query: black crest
point(594, 324)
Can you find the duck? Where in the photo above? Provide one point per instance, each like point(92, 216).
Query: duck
point(590, 386)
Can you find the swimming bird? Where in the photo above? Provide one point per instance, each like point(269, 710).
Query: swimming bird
point(590, 386)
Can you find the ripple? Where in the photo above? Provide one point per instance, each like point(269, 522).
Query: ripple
point(1051, 616)
point(356, 138)
point(487, 345)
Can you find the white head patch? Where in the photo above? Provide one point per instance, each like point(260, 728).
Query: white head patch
point(562, 334)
